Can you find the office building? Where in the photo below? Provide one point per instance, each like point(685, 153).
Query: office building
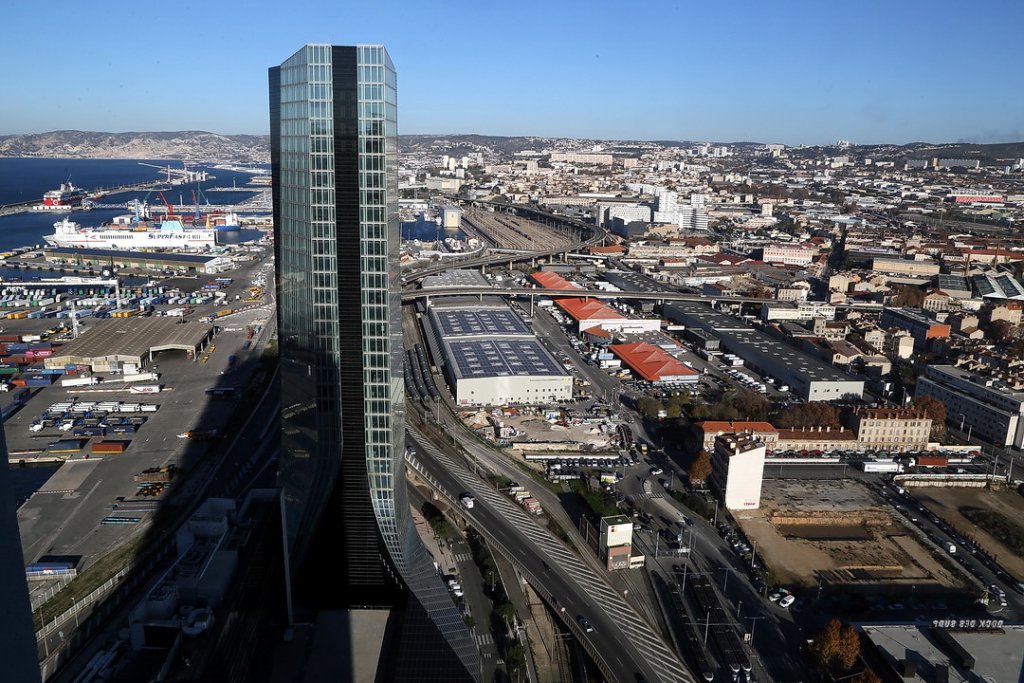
point(983, 406)
point(615, 543)
point(737, 470)
point(351, 542)
point(16, 630)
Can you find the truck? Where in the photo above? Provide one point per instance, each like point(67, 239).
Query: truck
point(467, 500)
point(950, 548)
point(79, 381)
point(878, 466)
point(144, 389)
point(140, 377)
point(932, 461)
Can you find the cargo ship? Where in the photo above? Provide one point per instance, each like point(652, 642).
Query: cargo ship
point(63, 199)
point(126, 233)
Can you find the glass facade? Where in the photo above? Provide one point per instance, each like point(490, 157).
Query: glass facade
point(334, 151)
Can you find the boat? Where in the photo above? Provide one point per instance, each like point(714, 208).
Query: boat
point(128, 233)
point(67, 197)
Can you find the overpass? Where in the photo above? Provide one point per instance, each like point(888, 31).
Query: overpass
point(414, 294)
point(589, 236)
point(622, 644)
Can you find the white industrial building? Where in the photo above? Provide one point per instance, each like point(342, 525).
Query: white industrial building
point(491, 357)
point(803, 310)
point(737, 470)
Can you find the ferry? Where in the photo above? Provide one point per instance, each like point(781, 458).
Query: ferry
point(67, 197)
point(128, 234)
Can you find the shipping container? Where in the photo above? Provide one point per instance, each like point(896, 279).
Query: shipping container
point(932, 461)
point(66, 446)
point(144, 389)
point(110, 446)
point(90, 431)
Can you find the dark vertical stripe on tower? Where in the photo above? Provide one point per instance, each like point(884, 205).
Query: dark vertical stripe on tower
point(20, 658)
point(274, 79)
point(364, 550)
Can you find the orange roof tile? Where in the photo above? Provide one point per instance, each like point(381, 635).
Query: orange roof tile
point(588, 309)
point(551, 280)
point(738, 426)
point(649, 361)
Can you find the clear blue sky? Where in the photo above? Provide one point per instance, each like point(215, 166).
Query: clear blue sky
point(789, 71)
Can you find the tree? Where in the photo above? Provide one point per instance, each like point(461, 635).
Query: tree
point(934, 409)
point(751, 405)
point(648, 407)
point(813, 414)
point(700, 469)
point(835, 648)
point(867, 676)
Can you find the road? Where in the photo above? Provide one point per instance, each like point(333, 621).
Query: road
point(623, 644)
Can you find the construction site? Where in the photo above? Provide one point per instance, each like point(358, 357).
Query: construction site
point(839, 532)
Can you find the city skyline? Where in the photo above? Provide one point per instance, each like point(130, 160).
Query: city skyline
point(807, 76)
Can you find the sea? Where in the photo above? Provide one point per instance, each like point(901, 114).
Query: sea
point(27, 179)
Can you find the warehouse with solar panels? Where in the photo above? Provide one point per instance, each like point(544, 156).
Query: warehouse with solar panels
point(490, 355)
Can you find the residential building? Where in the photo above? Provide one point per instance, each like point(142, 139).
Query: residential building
point(922, 328)
point(763, 431)
point(981, 405)
point(790, 254)
point(892, 429)
point(349, 538)
point(737, 470)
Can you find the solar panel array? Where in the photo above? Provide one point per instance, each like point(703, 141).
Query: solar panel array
point(480, 323)
point(953, 283)
point(500, 358)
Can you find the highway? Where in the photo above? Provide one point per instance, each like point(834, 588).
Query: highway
point(624, 646)
point(414, 294)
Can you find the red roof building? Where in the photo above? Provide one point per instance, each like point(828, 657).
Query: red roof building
point(653, 363)
point(589, 312)
point(551, 280)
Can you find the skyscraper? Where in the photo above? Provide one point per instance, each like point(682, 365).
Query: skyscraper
point(333, 129)
point(20, 660)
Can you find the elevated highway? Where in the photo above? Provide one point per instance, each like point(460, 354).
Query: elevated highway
point(624, 646)
point(414, 294)
point(588, 236)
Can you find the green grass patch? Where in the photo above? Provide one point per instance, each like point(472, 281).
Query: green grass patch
point(1007, 532)
point(600, 502)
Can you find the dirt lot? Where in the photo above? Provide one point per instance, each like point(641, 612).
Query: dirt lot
point(945, 503)
point(836, 532)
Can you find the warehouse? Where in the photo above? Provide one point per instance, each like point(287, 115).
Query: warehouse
point(653, 364)
point(456, 278)
point(111, 344)
point(139, 260)
point(491, 356)
point(808, 377)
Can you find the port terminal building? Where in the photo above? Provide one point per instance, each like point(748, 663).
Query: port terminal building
point(111, 344)
point(809, 378)
point(117, 259)
point(491, 357)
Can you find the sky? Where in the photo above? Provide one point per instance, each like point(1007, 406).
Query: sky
point(790, 71)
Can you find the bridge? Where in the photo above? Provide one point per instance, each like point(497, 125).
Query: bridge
point(589, 236)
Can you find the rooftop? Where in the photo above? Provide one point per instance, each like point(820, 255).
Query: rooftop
point(998, 652)
point(500, 358)
point(465, 322)
point(589, 309)
point(651, 362)
point(135, 336)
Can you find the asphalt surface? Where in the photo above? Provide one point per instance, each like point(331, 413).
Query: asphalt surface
point(68, 522)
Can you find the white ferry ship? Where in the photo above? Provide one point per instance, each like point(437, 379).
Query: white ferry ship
point(128, 234)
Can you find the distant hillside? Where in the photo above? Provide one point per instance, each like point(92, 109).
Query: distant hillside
point(188, 145)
